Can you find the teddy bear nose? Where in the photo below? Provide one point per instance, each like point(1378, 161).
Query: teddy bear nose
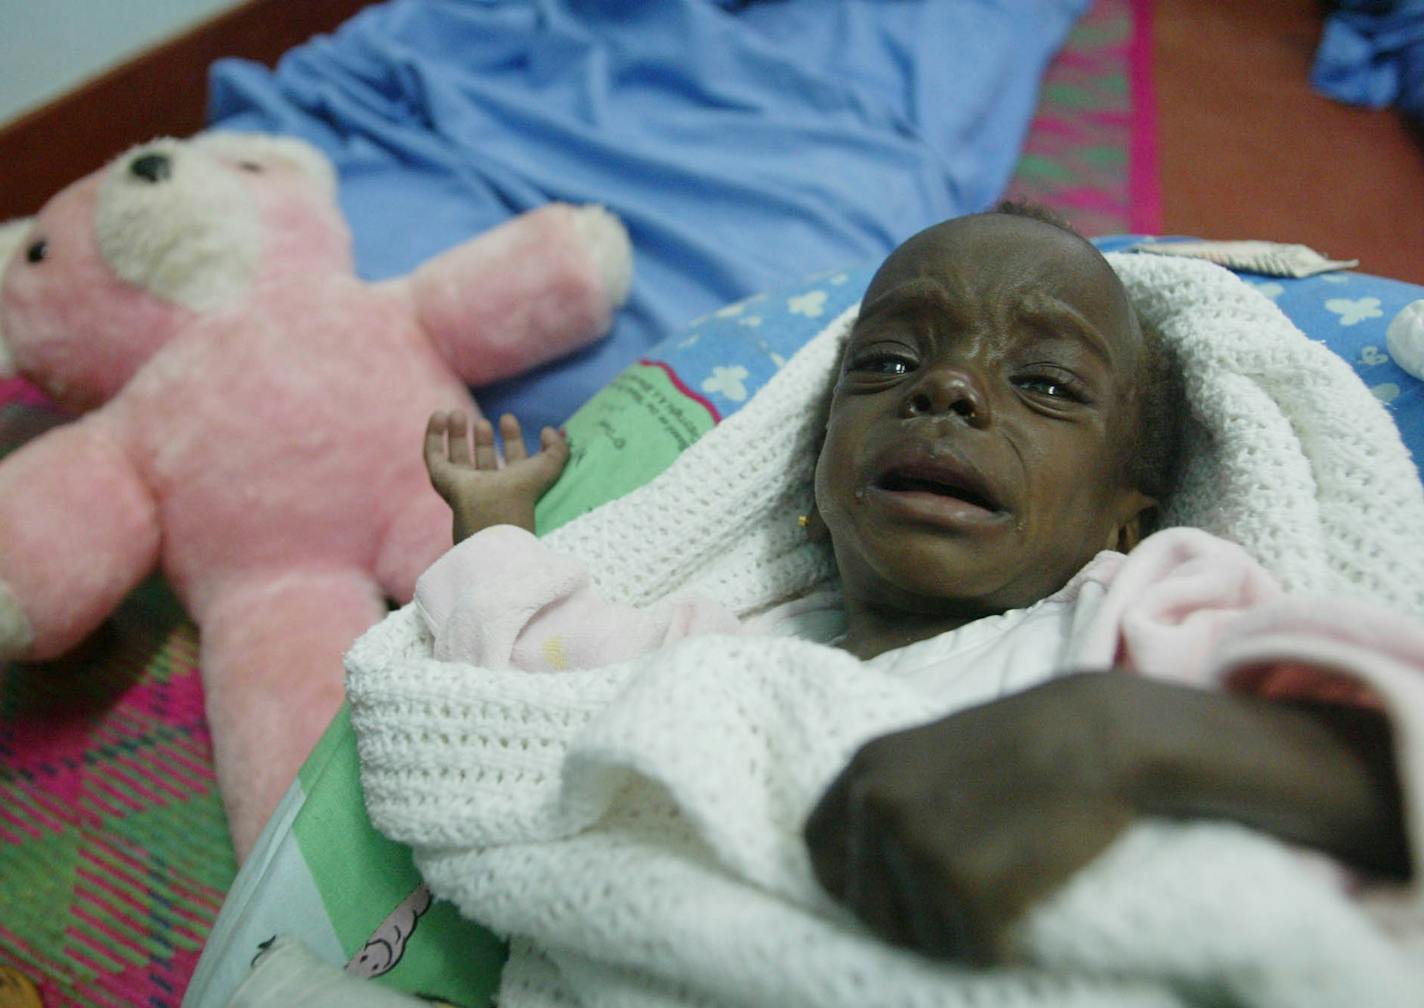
point(152, 167)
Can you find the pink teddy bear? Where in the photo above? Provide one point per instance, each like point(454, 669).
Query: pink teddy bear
point(252, 416)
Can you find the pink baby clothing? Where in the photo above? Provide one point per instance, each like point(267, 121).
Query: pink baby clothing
point(1184, 605)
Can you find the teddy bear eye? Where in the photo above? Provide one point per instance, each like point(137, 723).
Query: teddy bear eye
point(251, 166)
point(36, 252)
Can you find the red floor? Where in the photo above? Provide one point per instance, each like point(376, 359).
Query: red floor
point(1247, 150)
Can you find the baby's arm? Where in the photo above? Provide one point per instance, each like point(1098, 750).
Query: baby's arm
point(480, 491)
point(505, 599)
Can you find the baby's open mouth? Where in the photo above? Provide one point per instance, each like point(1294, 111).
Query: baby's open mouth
point(942, 481)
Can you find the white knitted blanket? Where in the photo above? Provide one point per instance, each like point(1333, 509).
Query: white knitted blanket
point(636, 828)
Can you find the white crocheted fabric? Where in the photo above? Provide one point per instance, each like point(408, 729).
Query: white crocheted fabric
point(636, 828)
point(1289, 454)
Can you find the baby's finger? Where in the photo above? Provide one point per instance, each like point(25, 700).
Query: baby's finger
point(513, 437)
point(459, 438)
point(434, 448)
point(555, 445)
point(544, 468)
point(485, 455)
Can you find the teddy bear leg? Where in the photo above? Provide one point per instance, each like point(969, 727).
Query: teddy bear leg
point(78, 530)
point(271, 658)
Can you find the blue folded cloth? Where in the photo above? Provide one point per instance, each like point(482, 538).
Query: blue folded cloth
point(1371, 53)
point(745, 144)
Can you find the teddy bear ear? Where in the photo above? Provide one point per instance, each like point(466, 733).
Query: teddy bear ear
point(268, 147)
point(12, 235)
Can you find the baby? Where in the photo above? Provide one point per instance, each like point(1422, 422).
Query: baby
point(1000, 433)
point(1000, 418)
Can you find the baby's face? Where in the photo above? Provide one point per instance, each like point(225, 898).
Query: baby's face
point(975, 453)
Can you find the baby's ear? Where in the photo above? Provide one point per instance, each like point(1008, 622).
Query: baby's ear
point(816, 530)
point(1141, 521)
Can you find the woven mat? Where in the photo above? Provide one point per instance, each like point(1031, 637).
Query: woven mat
point(114, 855)
point(1091, 149)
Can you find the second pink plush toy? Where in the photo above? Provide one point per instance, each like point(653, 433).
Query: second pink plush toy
point(252, 416)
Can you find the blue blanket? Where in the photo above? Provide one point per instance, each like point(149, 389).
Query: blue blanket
point(745, 144)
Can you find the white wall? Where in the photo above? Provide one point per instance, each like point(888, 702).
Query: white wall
point(48, 47)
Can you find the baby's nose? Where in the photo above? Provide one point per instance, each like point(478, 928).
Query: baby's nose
point(151, 167)
point(949, 391)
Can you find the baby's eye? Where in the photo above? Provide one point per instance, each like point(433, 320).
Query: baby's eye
point(1052, 386)
point(882, 363)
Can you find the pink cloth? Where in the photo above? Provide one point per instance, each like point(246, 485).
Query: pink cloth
point(502, 599)
point(1191, 608)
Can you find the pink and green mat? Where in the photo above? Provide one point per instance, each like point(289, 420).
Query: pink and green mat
point(114, 856)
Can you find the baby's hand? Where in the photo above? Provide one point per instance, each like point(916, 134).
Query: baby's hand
point(478, 489)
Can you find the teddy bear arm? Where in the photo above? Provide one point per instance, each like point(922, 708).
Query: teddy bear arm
point(78, 530)
point(533, 289)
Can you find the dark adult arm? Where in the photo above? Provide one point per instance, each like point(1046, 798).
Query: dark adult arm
point(941, 835)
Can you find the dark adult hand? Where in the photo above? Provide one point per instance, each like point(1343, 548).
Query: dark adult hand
point(940, 836)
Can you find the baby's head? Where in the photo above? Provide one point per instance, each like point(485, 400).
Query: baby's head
point(1000, 417)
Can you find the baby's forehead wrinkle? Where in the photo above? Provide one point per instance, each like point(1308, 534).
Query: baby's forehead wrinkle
point(1041, 307)
point(914, 292)
point(937, 271)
